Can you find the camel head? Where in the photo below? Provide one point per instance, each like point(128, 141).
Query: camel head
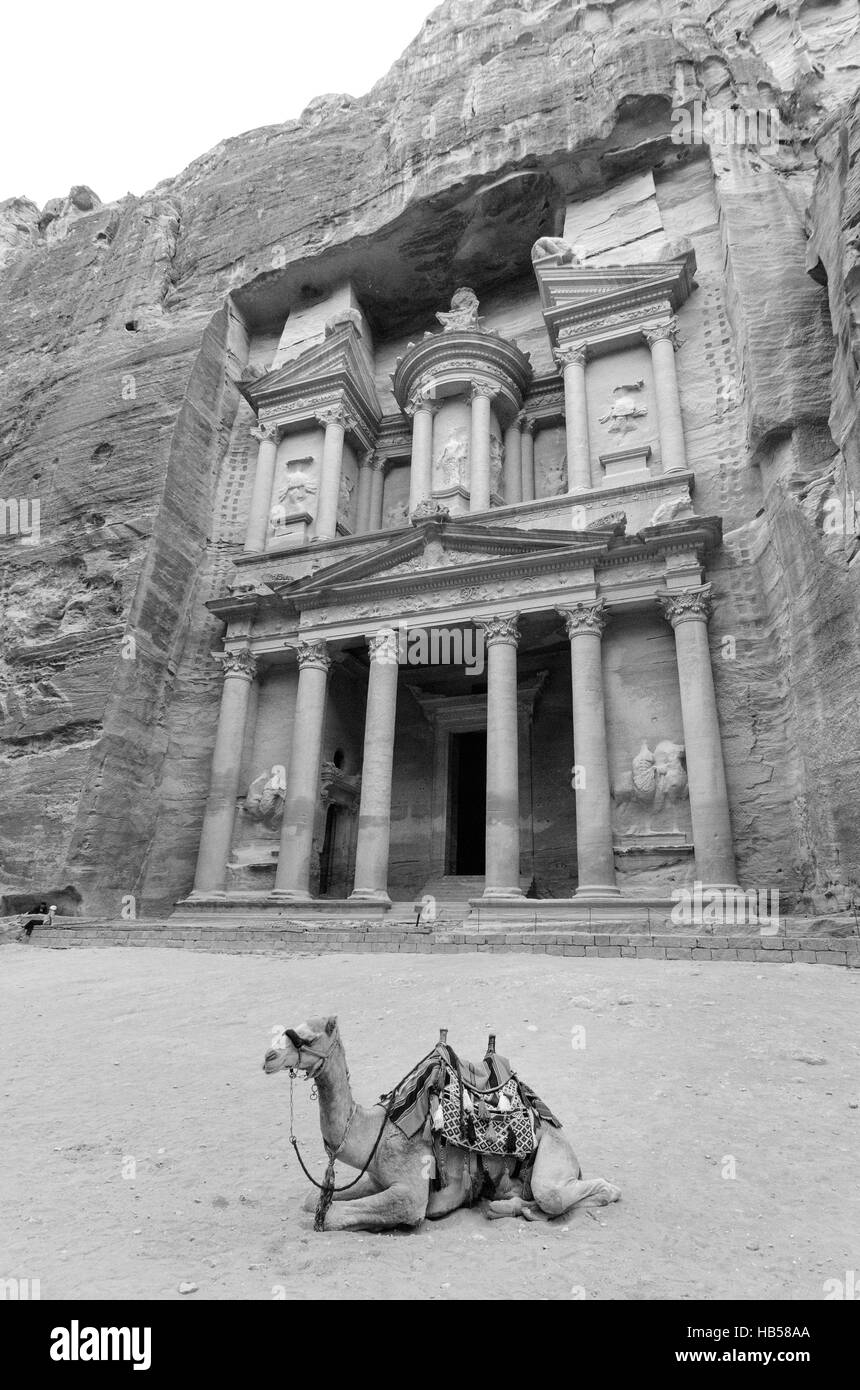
point(305, 1047)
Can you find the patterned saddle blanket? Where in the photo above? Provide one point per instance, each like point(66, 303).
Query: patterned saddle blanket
point(497, 1123)
point(485, 1108)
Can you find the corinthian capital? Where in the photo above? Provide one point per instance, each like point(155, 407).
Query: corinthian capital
point(585, 619)
point(658, 332)
point(383, 647)
point(483, 388)
point(566, 354)
point(312, 653)
point(687, 606)
point(242, 663)
point(422, 400)
point(264, 432)
point(333, 415)
point(502, 627)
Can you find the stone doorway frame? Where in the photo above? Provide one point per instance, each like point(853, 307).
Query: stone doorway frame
point(455, 714)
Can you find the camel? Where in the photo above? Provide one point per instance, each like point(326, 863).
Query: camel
point(395, 1189)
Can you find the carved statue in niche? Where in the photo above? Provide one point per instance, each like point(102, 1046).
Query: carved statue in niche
point(497, 459)
point(266, 796)
point(553, 250)
point(451, 463)
point(624, 408)
point(344, 497)
point(555, 478)
point(656, 781)
point(293, 498)
point(463, 314)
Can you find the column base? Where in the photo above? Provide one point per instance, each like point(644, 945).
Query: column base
point(292, 895)
point(597, 890)
point(501, 895)
point(370, 895)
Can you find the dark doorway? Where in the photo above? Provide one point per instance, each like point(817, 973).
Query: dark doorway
point(468, 803)
point(327, 852)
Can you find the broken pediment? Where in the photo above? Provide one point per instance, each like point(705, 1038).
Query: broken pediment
point(599, 305)
point(333, 372)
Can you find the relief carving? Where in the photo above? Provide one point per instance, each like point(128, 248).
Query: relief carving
point(624, 409)
point(344, 498)
point(553, 250)
point(497, 458)
point(266, 796)
point(338, 787)
point(463, 314)
point(656, 782)
point(452, 462)
point(396, 514)
point(668, 511)
point(299, 487)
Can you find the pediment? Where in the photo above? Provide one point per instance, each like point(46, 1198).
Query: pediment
point(445, 553)
point(338, 361)
point(571, 294)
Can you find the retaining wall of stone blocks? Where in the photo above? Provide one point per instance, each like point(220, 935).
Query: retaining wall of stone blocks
point(314, 938)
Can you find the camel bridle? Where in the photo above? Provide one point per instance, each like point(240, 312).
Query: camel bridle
point(301, 1047)
point(327, 1188)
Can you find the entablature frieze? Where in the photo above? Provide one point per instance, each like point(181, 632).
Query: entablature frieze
point(303, 408)
point(443, 364)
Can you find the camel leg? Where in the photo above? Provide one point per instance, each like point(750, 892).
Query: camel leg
point(400, 1205)
point(365, 1187)
point(556, 1182)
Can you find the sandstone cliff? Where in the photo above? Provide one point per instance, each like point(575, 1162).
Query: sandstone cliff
point(124, 329)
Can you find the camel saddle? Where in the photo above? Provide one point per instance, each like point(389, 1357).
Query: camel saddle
point(483, 1107)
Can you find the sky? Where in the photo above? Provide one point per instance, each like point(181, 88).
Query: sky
point(123, 94)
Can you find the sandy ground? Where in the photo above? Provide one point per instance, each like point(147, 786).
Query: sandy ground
point(685, 1073)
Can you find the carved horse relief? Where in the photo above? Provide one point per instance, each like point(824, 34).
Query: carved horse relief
point(266, 796)
point(657, 781)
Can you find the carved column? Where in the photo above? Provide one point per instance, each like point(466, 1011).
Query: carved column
point(374, 816)
point(261, 497)
point(503, 797)
point(334, 421)
point(422, 410)
point(664, 342)
point(292, 879)
point(513, 473)
point(688, 612)
point(571, 360)
point(216, 836)
point(528, 458)
point(365, 490)
point(585, 623)
point(479, 448)
point(377, 487)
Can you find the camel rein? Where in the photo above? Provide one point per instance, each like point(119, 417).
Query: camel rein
point(327, 1187)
